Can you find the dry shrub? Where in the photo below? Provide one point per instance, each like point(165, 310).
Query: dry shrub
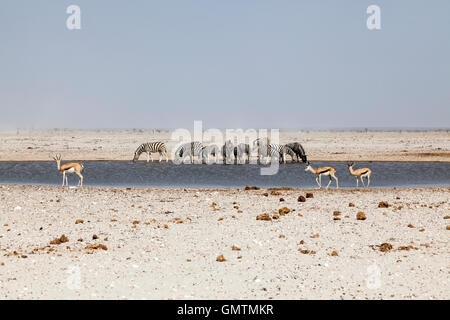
point(334, 253)
point(275, 193)
point(351, 204)
point(301, 199)
point(247, 187)
point(234, 248)
point(336, 213)
point(79, 221)
point(309, 195)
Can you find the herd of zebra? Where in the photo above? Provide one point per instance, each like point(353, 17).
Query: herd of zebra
point(229, 152)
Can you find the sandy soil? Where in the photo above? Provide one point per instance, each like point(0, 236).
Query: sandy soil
point(164, 244)
point(319, 145)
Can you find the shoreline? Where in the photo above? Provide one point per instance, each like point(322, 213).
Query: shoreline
point(119, 145)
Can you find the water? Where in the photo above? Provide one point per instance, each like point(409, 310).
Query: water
point(142, 174)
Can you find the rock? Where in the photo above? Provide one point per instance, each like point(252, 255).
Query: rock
point(79, 221)
point(283, 211)
point(60, 240)
point(361, 216)
point(447, 227)
point(281, 199)
point(97, 246)
point(336, 213)
point(410, 226)
point(334, 253)
point(385, 247)
point(94, 237)
point(301, 199)
point(234, 248)
point(221, 258)
point(383, 204)
point(275, 217)
point(264, 217)
point(351, 204)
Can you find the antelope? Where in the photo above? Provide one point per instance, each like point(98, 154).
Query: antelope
point(323, 171)
point(360, 173)
point(69, 168)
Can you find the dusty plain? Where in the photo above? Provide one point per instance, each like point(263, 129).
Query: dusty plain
point(165, 243)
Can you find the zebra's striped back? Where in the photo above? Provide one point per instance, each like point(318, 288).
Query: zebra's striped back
point(151, 147)
point(189, 149)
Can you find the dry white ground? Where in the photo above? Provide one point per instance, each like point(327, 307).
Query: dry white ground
point(319, 145)
point(163, 244)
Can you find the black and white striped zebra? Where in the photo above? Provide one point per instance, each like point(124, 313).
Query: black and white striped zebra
point(210, 150)
point(189, 149)
point(227, 152)
point(149, 148)
point(272, 150)
point(241, 152)
point(298, 150)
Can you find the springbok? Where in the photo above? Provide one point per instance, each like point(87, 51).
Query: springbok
point(69, 168)
point(323, 171)
point(360, 173)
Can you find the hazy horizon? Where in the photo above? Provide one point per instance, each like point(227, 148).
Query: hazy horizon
point(311, 65)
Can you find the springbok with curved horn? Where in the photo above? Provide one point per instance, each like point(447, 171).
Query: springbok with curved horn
point(323, 171)
point(69, 168)
point(360, 173)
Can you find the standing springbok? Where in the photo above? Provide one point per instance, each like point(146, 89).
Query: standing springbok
point(323, 171)
point(69, 168)
point(360, 173)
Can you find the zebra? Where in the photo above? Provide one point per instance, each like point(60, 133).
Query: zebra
point(190, 149)
point(272, 150)
point(149, 148)
point(211, 149)
point(227, 152)
point(298, 150)
point(241, 151)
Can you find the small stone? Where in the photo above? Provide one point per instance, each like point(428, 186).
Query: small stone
point(361, 216)
point(221, 258)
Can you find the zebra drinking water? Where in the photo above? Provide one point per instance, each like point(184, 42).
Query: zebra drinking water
point(272, 150)
point(149, 148)
point(190, 149)
point(298, 150)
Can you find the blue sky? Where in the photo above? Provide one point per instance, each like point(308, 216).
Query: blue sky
point(235, 63)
